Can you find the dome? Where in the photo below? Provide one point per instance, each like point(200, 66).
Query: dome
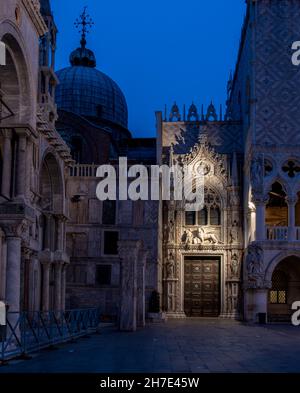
point(88, 92)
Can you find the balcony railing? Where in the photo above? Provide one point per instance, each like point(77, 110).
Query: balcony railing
point(28, 332)
point(83, 170)
point(277, 233)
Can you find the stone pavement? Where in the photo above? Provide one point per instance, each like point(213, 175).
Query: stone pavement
point(200, 346)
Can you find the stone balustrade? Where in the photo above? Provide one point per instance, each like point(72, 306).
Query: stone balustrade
point(277, 233)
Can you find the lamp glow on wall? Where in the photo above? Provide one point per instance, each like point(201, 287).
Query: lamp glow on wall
point(2, 54)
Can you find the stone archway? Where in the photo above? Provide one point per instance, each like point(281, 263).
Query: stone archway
point(52, 232)
point(284, 277)
point(15, 83)
point(51, 186)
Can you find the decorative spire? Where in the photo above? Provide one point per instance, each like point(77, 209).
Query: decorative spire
point(83, 56)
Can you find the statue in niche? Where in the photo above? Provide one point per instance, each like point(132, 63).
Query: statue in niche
point(171, 231)
point(234, 266)
point(257, 172)
point(170, 266)
point(234, 232)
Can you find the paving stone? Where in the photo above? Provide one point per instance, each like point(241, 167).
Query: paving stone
point(177, 346)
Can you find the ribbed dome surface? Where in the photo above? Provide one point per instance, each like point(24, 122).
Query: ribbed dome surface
point(88, 92)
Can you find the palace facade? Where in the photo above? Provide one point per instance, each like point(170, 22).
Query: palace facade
point(239, 257)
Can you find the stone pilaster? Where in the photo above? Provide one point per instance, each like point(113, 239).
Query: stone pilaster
point(260, 220)
point(21, 163)
point(13, 272)
point(46, 258)
point(128, 252)
point(63, 286)
point(141, 266)
point(57, 286)
point(7, 161)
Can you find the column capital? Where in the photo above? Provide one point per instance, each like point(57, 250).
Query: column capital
point(23, 132)
point(61, 217)
point(292, 201)
point(27, 252)
point(6, 133)
point(45, 257)
point(15, 228)
point(61, 257)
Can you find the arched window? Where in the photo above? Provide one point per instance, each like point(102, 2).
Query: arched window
point(190, 218)
point(209, 215)
point(278, 293)
point(277, 208)
point(215, 216)
point(203, 217)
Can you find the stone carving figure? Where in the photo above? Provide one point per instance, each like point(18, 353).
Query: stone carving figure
point(202, 236)
point(234, 265)
point(256, 172)
point(254, 262)
point(171, 231)
point(234, 232)
point(170, 266)
point(188, 237)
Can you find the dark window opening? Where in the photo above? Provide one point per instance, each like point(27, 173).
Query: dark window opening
point(109, 212)
point(203, 217)
point(111, 243)
point(215, 216)
point(103, 275)
point(190, 218)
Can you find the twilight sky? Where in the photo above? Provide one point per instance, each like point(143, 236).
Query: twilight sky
point(158, 51)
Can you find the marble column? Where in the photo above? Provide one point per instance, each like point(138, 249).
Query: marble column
point(21, 168)
point(141, 309)
point(29, 169)
point(33, 301)
point(60, 234)
point(63, 287)
point(13, 273)
point(57, 286)
point(46, 285)
point(292, 220)
point(2, 269)
point(260, 221)
point(128, 252)
point(7, 162)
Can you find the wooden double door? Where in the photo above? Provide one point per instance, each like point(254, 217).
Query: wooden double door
point(202, 287)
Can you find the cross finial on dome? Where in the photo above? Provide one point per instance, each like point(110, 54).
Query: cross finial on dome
point(83, 56)
point(84, 23)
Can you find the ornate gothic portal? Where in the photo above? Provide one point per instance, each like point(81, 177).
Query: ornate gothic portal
point(203, 250)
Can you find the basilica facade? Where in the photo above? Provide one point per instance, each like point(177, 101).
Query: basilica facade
point(60, 247)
